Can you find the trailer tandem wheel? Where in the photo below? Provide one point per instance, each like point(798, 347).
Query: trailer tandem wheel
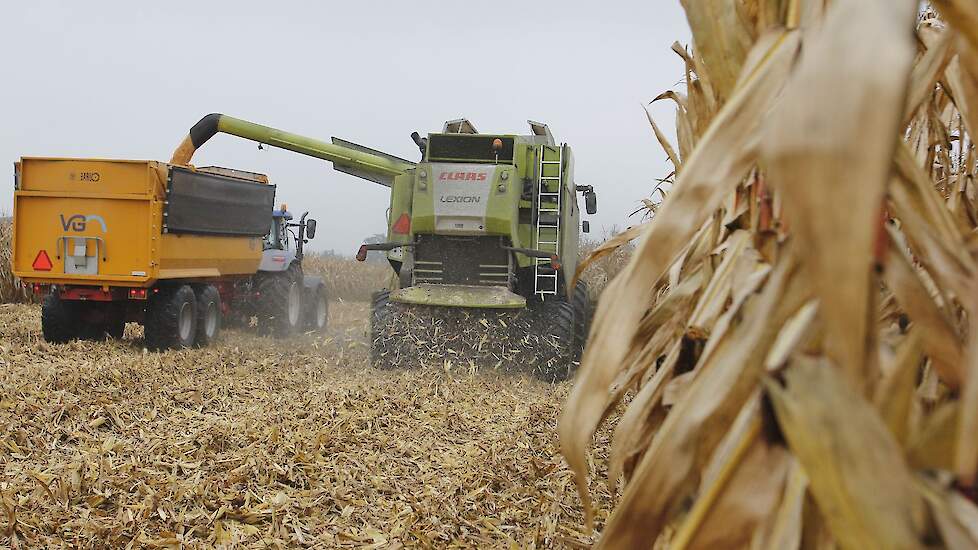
point(209, 318)
point(59, 319)
point(171, 318)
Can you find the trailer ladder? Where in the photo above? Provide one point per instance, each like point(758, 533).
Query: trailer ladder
point(548, 203)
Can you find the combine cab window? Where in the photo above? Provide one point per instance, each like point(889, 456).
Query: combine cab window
point(469, 148)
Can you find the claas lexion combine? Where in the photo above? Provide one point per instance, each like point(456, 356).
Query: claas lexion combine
point(482, 236)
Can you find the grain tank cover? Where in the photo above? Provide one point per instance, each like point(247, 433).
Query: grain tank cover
point(201, 203)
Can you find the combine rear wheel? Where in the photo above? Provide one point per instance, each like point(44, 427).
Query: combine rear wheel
point(279, 303)
point(59, 319)
point(209, 318)
point(171, 318)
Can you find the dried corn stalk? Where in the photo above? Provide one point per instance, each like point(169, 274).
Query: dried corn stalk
point(11, 289)
point(795, 324)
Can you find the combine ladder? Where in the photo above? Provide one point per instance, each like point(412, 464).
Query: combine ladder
point(550, 170)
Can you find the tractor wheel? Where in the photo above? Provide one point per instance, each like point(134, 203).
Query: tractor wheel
point(59, 319)
point(115, 327)
point(171, 319)
point(209, 319)
point(317, 310)
point(380, 319)
point(582, 318)
point(279, 303)
point(556, 327)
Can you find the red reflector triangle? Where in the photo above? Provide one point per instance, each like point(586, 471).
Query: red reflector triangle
point(42, 262)
point(402, 225)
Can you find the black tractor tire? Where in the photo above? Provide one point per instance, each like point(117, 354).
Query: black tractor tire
point(380, 319)
point(581, 300)
point(116, 326)
point(556, 326)
point(60, 321)
point(171, 319)
point(317, 309)
point(279, 303)
point(209, 316)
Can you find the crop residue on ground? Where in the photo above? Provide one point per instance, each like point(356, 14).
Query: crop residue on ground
point(257, 442)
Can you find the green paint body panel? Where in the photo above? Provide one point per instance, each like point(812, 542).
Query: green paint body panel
point(488, 297)
point(467, 187)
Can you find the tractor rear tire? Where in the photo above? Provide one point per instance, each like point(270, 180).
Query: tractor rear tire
point(582, 317)
point(317, 310)
point(380, 319)
point(279, 303)
point(59, 319)
point(209, 317)
point(555, 324)
point(171, 319)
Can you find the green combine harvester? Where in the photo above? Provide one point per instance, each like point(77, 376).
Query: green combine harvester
point(482, 236)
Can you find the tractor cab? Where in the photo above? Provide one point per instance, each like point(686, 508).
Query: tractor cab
point(284, 242)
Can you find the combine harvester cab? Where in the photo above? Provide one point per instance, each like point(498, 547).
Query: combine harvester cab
point(482, 234)
point(111, 241)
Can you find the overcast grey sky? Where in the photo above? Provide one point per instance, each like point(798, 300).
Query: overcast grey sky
point(128, 79)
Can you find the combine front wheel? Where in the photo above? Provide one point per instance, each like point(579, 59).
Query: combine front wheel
point(380, 320)
point(582, 318)
point(557, 332)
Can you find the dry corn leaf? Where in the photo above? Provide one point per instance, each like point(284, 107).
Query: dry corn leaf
point(854, 465)
point(715, 167)
point(811, 147)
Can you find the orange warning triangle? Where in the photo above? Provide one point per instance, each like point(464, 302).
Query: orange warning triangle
point(402, 225)
point(42, 262)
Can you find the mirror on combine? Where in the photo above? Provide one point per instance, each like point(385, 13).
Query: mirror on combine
point(310, 229)
point(591, 202)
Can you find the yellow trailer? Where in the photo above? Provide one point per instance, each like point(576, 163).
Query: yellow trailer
point(114, 240)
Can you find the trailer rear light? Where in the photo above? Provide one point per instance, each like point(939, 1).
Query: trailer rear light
point(402, 225)
point(137, 293)
point(38, 288)
point(362, 253)
point(42, 262)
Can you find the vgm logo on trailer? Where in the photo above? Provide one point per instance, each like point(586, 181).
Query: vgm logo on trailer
point(79, 222)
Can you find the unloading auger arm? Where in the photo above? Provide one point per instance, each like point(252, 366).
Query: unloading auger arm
point(346, 157)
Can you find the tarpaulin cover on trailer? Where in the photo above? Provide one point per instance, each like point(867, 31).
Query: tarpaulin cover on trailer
point(212, 204)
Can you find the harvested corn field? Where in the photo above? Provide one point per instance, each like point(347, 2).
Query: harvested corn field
point(107, 445)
